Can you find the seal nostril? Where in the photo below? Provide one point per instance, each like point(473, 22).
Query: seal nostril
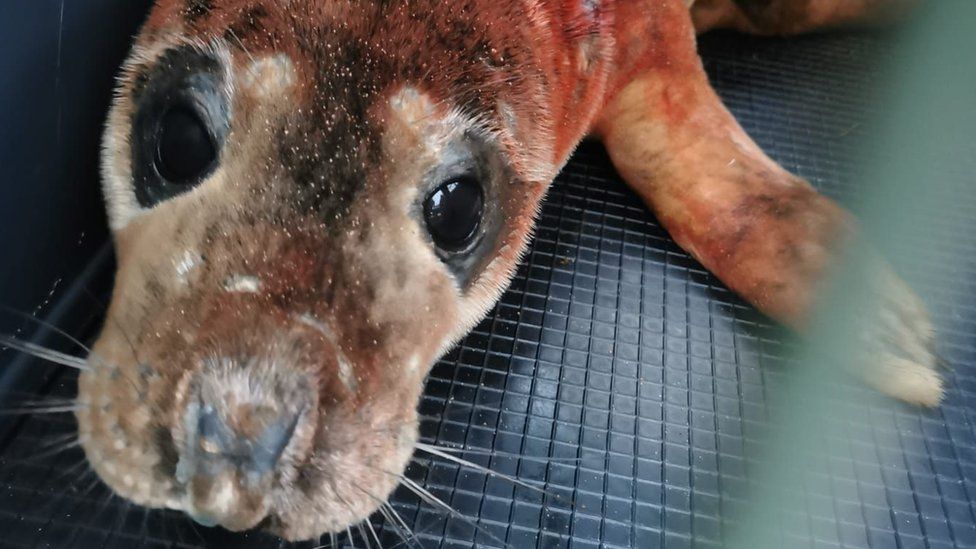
point(214, 436)
point(272, 443)
point(252, 441)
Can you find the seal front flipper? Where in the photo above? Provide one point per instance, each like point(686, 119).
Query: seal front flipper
point(764, 232)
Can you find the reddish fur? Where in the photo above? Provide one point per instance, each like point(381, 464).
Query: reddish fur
point(626, 70)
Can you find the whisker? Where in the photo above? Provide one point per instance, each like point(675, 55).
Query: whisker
point(52, 504)
point(349, 535)
point(82, 364)
point(45, 401)
point(40, 410)
point(389, 518)
point(44, 353)
point(362, 534)
point(144, 524)
point(47, 325)
point(72, 470)
point(52, 442)
point(55, 451)
point(85, 473)
point(241, 44)
point(369, 524)
point(28, 397)
point(434, 501)
point(81, 498)
point(498, 453)
point(396, 515)
point(351, 512)
point(433, 450)
point(126, 508)
point(95, 482)
point(385, 509)
point(106, 501)
point(426, 495)
point(47, 405)
point(55, 356)
point(332, 542)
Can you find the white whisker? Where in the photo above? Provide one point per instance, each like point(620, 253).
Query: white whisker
point(437, 452)
point(58, 357)
point(498, 453)
point(332, 542)
point(404, 532)
point(362, 534)
point(50, 401)
point(372, 530)
point(435, 502)
point(241, 44)
point(426, 495)
point(57, 440)
point(55, 451)
point(40, 410)
point(49, 355)
point(47, 325)
point(71, 471)
point(76, 341)
point(95, 482)
point(394, 523)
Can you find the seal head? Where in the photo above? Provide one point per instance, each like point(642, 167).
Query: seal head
point(311, 202)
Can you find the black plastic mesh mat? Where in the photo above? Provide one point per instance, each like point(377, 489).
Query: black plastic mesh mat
point(622, 378)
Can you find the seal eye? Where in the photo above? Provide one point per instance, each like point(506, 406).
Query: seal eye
point(453, 212)
point(184, 147)
point(180, 125)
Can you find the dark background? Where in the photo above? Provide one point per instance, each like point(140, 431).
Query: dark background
point(58, 60)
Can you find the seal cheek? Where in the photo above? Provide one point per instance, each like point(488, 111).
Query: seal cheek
point(346, 373)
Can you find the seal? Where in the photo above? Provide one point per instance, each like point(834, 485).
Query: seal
point(312, 200)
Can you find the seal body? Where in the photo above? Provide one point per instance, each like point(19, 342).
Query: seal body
point(287, 184)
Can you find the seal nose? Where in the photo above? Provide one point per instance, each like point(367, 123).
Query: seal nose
point(248, 439)
point(253, 445)
point(238, 427)
point(229, 458)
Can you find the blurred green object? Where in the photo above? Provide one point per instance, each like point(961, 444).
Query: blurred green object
point(927, 129)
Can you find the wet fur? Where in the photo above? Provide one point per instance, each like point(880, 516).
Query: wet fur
point(299, 275)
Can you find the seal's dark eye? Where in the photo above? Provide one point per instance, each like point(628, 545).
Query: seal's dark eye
point(180, 125)
point(453, 212)
point(184, 149)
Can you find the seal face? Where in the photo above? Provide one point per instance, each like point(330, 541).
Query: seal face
point(311, 202)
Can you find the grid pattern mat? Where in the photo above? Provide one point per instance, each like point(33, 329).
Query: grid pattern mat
point(624, 380)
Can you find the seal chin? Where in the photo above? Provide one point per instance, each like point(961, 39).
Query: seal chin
point(203, 520)
point(227, 501)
